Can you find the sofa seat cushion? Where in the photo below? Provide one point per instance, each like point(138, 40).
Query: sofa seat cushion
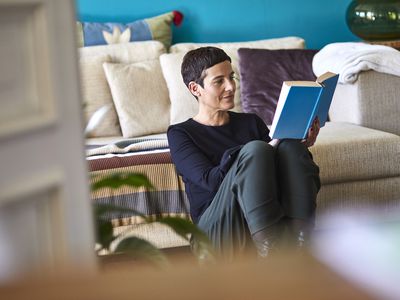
point(347, 152)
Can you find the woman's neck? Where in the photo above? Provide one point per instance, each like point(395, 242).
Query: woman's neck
point(216, 118)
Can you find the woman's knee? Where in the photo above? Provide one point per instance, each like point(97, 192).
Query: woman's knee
point(256, 148)
point(295, 158)
point(292, 147)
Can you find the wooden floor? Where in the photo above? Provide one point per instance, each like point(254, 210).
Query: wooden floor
point(174, 255)
point(281, 277)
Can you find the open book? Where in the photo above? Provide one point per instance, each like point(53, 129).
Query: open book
point(300, 102)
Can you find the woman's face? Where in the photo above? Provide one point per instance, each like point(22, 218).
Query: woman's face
point(219, 87)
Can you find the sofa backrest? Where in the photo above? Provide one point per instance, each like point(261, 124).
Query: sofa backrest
point(98, 91)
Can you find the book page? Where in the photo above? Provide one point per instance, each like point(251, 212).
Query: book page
point(325, 76)
point(281, 101)
point(302, 83)
point(329, 85)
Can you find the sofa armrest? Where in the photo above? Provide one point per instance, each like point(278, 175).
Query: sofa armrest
point(372, 101)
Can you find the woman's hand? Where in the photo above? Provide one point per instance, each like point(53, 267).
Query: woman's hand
point(274, 143)
point(312, 133)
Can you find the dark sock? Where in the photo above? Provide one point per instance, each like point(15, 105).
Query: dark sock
point(301, 230)
point(265, 241)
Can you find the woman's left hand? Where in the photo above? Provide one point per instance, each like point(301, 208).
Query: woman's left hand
point(312, 133)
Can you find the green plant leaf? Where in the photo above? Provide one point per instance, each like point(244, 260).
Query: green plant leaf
point(140, 248)
point(201, 244)
point(117, 180)
point(104, 233)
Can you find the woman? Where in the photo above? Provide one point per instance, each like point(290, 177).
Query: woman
point(239, 182)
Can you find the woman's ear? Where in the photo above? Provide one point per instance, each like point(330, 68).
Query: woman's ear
point(194, 88)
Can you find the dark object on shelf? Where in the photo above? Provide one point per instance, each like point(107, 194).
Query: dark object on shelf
point(374, 19)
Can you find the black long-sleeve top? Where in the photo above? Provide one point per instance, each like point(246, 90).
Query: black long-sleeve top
point(203, 154)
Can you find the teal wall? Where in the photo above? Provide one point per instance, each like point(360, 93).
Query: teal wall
point(319, 22)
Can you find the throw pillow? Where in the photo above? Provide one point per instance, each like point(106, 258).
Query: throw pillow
point(156, 28)
point(262, 73)
point(140, 96)
point(96, 94)
point(95, 90)
point(126, 53)
point(290, 42)
point(183, 104)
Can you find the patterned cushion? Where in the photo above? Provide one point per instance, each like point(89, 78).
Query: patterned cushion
point(156, 28)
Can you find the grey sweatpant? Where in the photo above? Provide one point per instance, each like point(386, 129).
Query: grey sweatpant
point(263, 185)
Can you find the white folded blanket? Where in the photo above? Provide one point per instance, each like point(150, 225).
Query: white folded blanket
point(348, 59)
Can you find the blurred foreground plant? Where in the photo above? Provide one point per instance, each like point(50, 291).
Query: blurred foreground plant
point(137, 247)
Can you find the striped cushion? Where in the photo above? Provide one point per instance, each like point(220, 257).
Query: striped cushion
point(168, 197)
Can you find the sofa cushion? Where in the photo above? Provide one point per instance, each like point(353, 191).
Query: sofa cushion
point(155, 28)
point(347, 152)
point(262, 72)
point(95, 89)
point(126, 53)
point(183, 104)
point(276, 43)
point(140, 96)
point(96, 94)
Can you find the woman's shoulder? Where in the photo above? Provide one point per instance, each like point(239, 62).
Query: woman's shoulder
point(182, 125)
point(187, 127)
point(241, 116)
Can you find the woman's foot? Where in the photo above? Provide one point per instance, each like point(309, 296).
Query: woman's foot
point(300, 231)
point(265, 241)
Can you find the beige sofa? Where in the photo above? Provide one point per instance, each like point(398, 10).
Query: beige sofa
point(358, 151)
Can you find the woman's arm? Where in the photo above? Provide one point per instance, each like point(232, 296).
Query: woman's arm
point(193, 165)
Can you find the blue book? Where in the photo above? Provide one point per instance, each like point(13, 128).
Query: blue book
point(300, 102)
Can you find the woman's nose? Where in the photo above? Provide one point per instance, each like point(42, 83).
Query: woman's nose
point(230, 85)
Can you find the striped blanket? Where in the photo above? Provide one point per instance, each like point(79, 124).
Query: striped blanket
point(151, 158)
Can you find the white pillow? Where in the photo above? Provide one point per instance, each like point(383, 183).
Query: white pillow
point(126, 52)
point(96, 94)
point(95, 90)
point(290, 42)
point(140, 96)
point(183, 104)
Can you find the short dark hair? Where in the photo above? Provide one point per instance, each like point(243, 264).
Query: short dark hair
point(196, 61)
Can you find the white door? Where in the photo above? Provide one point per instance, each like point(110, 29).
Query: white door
point(45, 213)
